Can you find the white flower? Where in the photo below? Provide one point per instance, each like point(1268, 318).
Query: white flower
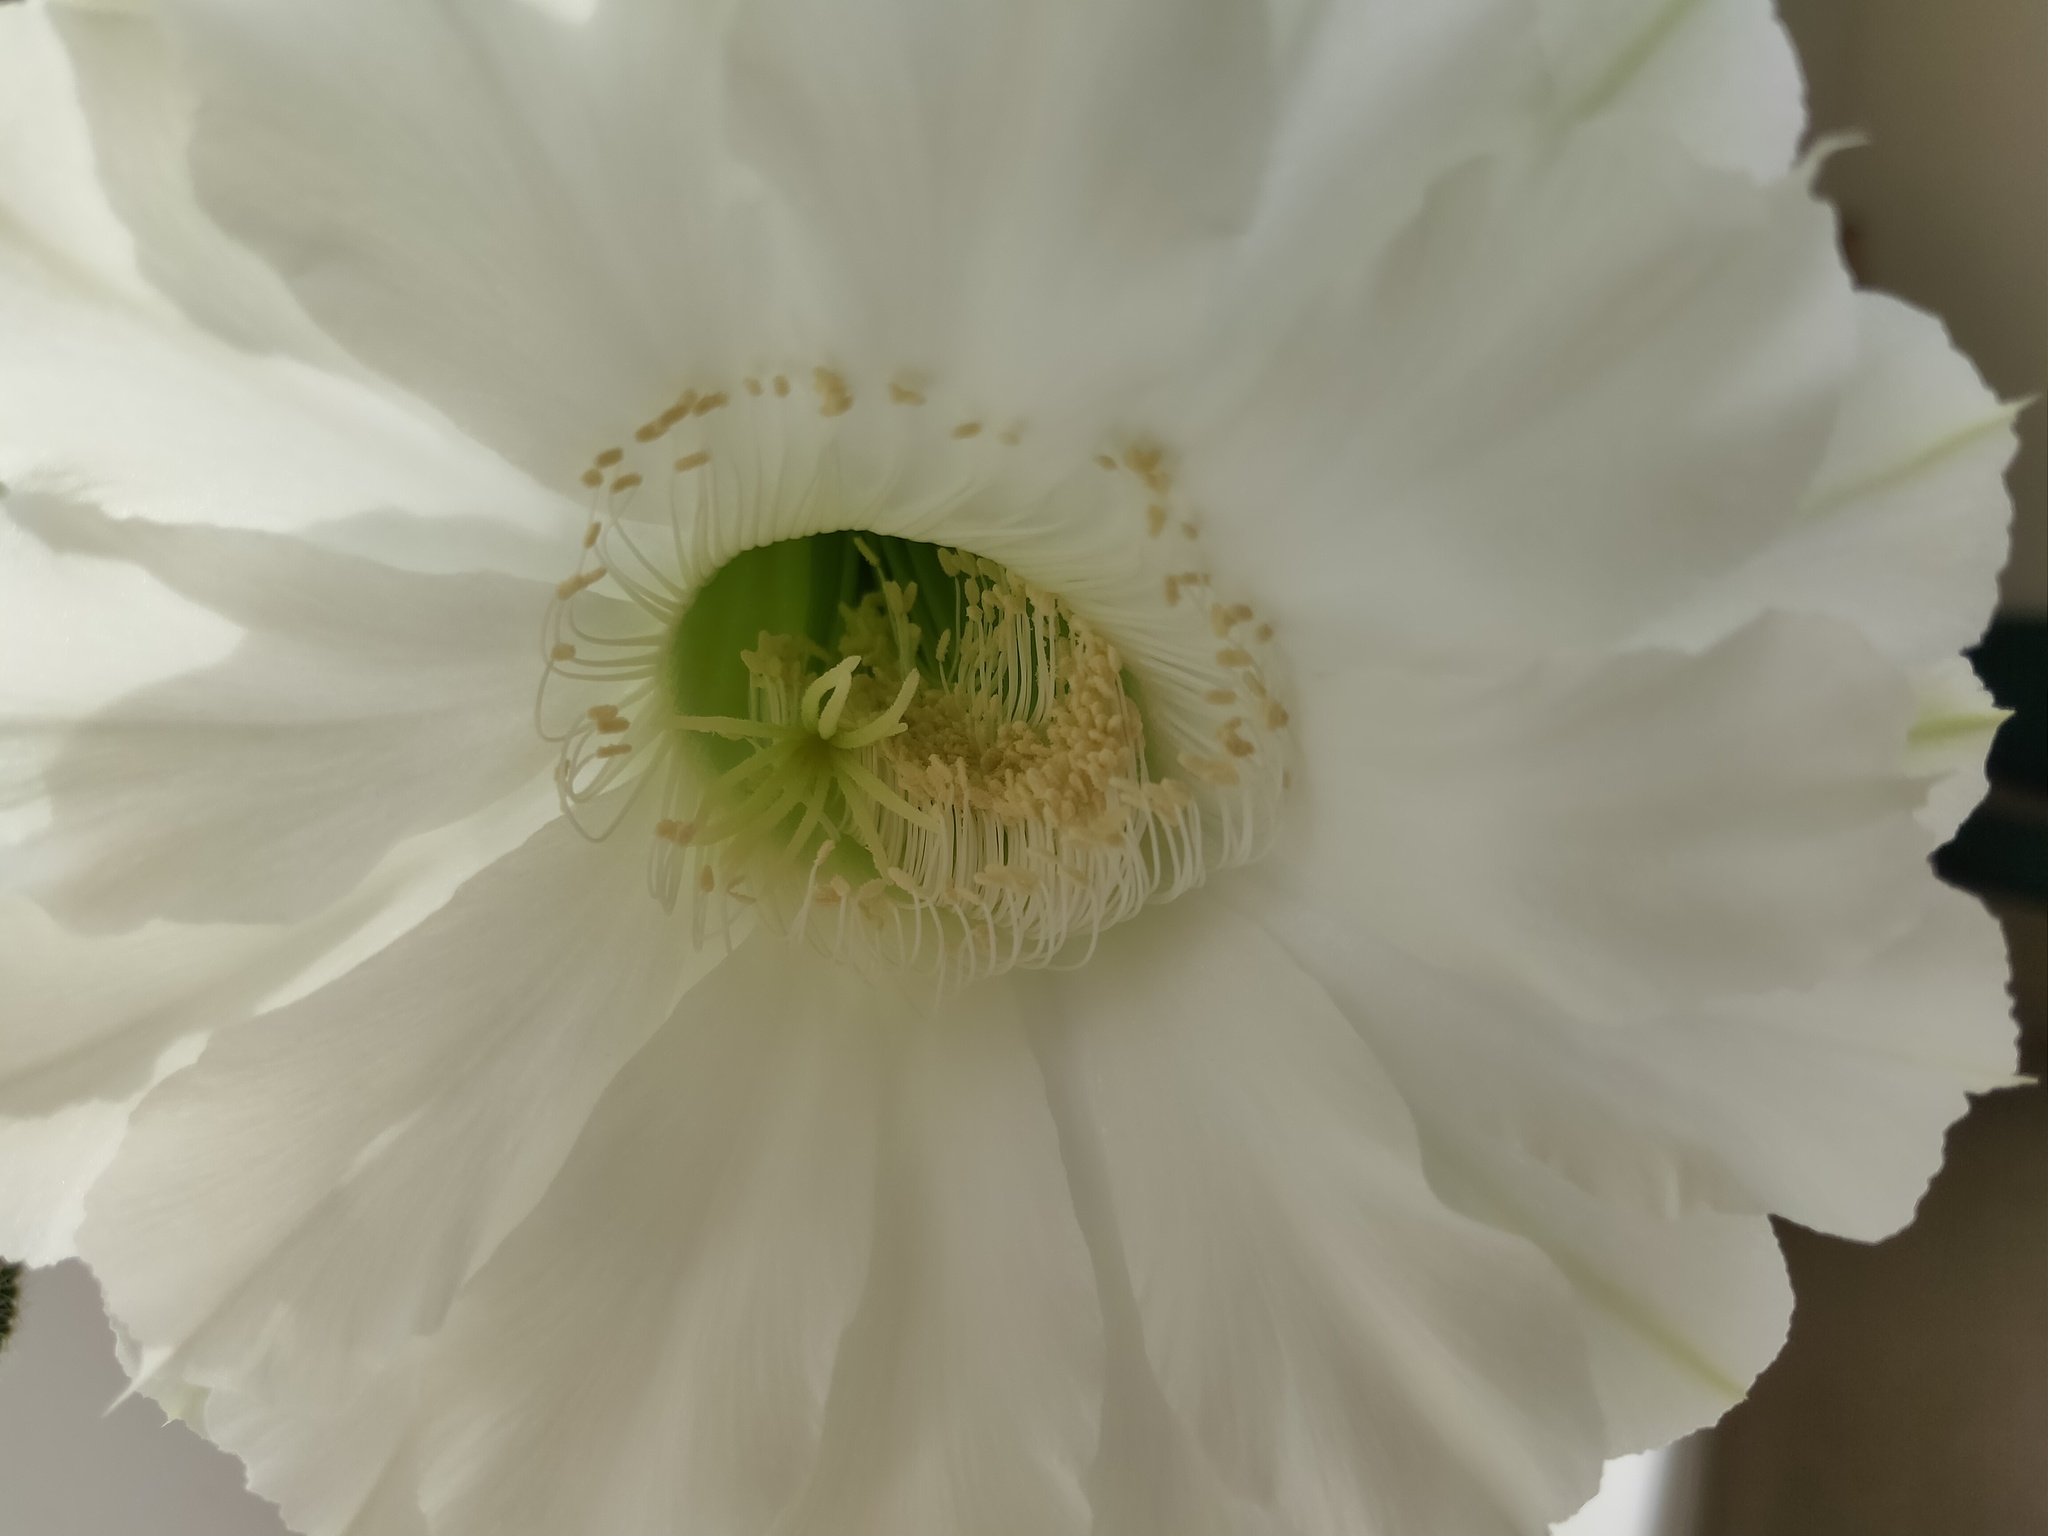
point(1436, 614)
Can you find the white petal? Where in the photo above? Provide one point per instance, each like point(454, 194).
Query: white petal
point(1956, 721)
point(1621, 834)
point(49, 1164)
point(651, 1350)
point(1376, 100)
point(140, 109)
point(90, 629)
point(1574, 387)
point(1001, 188)
point(365, 704)
point(1826, 1104)
point(968, 1388)
point(147, 417)
point(354, 1156)
point(91, 1024)
point(1680, 1313)
point(1903, 531)
point(95, 629)
point(1612, 1145)
point(552, 268)
point(335, 1460)
point(1845, 1127)
point(49, 188)
point(1720, 75)
point(1350, 1355)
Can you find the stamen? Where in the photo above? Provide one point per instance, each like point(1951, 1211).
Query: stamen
point(948, 759)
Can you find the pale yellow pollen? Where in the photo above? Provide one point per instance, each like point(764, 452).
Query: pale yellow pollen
point(591, 534)
point(709, 403)
point(835, 398)
point(1231, 656)
point(695, 460)
point(1106, 462)
point(753, 386)
point(968, 429)
point(1264, 632)
point(1220, 696)
point(903, 394)
point(626, 482)
point(1148, 464)
point(616, 749)
point(781, 385)
point(1190, 531)
point(609, 457)
point(1172, 590)
point(593, 477)
point(1229, 733)
point(579, 582)
point(1276, 715)
point(1210, 770)
point(563, 651)
point(706, 880)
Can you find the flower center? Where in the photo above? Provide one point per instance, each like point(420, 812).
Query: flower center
point(905, 749)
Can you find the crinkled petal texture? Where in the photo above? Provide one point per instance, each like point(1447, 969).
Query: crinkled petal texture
point(224, 794)
point(1497, 352)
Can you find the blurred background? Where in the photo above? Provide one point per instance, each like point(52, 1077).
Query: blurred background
point(1912, 1399)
